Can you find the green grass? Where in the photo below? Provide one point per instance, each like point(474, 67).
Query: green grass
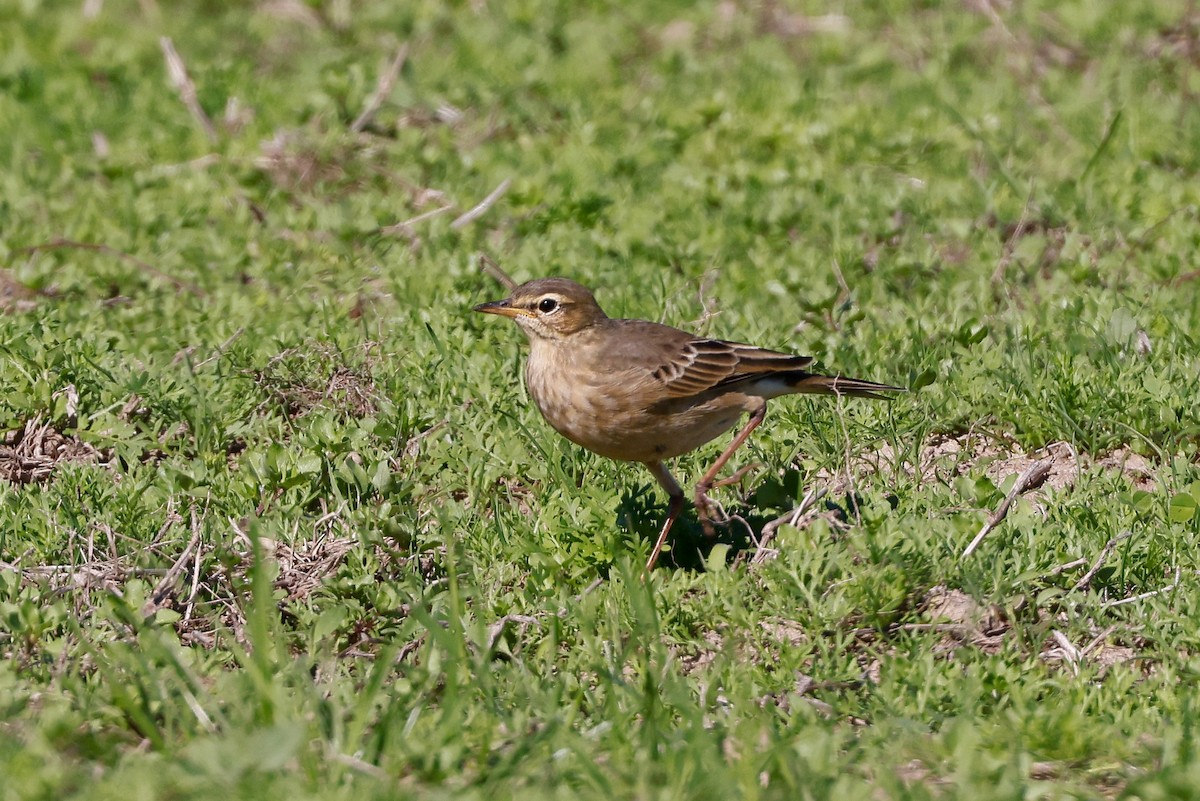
point(333, 552)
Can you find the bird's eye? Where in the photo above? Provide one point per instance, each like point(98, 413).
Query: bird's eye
point(547, 305)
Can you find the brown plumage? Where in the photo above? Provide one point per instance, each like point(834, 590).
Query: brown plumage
point(644, 392)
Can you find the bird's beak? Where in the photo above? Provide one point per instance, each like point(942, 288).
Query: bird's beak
point(504, 308)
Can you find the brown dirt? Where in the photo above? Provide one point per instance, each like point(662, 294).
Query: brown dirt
point(962, 620)
point(945, 457)
point(15, 296)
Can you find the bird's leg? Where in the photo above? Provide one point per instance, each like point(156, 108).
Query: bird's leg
point(668, 482)
point(672, 514)
point(703, 503)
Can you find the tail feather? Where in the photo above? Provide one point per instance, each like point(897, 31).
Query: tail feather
point(814, 384)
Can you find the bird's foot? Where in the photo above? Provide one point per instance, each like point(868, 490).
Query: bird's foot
point(709, 511)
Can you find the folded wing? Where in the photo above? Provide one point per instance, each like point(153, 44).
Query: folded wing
point(703, 364)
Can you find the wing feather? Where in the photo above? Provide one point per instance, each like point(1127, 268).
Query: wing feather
point(683, 365)
point(703, 364)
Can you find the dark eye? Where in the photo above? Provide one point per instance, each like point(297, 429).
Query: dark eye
point(547, 305)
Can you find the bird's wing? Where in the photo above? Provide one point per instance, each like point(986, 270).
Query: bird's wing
point(684, 365)
point(702, 364)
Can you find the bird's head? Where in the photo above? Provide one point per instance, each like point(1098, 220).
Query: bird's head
point(548, 308)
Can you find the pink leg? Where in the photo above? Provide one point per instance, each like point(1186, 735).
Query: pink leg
point(703, 504)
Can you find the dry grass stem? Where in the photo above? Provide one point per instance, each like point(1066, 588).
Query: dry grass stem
point(186, 88)
point(1010, 245)
point(173, 572)
point(68, 244)
point(404, 228)
point(709, 306)
point(482, 207)
point(1066, 651)
point(198, 163)
point(30, 454)
point(72, 396)
point(489, 266)
point(1025, 48)
point(220, 351)
point(382, 89)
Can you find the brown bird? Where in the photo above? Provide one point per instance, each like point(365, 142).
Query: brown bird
point(643, 392)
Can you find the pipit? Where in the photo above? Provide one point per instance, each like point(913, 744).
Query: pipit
point(638, 391)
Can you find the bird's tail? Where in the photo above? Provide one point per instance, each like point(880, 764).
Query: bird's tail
point(814, 384)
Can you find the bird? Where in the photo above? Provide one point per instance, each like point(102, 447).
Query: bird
point(639, 391)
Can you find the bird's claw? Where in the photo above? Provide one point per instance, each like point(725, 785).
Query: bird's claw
point(709, 511)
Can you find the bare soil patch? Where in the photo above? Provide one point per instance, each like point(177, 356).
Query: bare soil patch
point(945, 457)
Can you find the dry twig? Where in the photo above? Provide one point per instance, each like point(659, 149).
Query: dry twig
point(168, 580)
point(1033, 476)
point(382, 89)
point(482, 207)
point(1074, 564)
point(404, 228)
point(1066, 651)
point(1086, 581)
point(1143, 596)
point(791, 518)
